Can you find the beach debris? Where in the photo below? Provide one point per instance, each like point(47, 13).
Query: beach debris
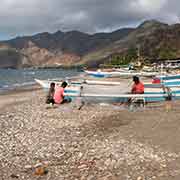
point(139, 178)
point(14, 176)
point(81, 105)
point(86, 164)
point(28, 167)
point(40, 169)
point(104, 104)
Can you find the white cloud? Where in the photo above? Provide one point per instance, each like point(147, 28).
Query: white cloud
point(152, 6)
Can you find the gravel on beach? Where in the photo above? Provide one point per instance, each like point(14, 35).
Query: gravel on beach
point(98, 142)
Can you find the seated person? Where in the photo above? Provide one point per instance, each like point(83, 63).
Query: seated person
point(138, 87)
point(59, 94)
point(50, 96)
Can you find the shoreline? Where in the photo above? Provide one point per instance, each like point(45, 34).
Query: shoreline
point(20, 89)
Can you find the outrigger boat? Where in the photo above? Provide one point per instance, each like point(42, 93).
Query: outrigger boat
point(125, 97)
point(69, 89)
point(104, 93)
point(46, 83)
point(104, 74)
point(168, 80)
point(169, 77)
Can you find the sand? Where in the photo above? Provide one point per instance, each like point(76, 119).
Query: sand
point(98, 142)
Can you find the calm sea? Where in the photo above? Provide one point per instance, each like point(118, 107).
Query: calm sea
point(11, 78)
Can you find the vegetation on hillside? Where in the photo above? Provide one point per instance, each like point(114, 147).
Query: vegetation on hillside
point(123, 59)
point(167, 53)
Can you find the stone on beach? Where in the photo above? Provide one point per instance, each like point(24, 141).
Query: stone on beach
point(98, 142)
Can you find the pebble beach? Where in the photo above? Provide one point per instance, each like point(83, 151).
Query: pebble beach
point(97, 142)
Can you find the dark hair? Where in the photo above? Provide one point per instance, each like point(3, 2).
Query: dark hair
point(52, 84)
point(136, 79)
point(64, 84)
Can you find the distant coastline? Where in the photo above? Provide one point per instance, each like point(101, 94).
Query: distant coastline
point(47, 67)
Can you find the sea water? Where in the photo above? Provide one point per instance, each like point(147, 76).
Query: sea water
point(12, 78)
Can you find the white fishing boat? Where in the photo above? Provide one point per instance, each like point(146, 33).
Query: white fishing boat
point(105, 74)
point(100, 91)
point(168, 77)
point(168, 80)
point(94, 82)
point(69, 89)
point(165, 83)
point(119, 93)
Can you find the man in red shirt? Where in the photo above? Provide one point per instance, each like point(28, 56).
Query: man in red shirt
point(138, 87)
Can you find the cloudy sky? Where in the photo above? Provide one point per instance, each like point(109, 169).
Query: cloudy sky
point(26, 17)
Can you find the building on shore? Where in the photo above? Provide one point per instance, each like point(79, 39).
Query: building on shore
point(167, 63)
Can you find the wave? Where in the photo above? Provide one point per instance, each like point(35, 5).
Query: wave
point(16, 85)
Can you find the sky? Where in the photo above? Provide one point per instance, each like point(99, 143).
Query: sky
point(28, 17)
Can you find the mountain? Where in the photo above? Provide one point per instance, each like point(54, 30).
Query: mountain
point(60, 48)
point(9, 57)
point(153, 39)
